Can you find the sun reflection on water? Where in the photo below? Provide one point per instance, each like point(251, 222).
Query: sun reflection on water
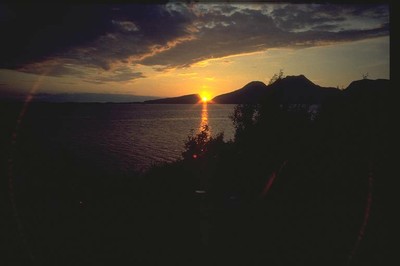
point(204, 117)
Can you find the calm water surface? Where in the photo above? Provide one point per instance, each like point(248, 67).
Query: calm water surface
point(121, 137)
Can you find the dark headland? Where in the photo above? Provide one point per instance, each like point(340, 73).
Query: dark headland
point(186, 99)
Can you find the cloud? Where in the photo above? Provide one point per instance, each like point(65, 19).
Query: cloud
point(127, 26)
point(250, 30)
point(99, 33)
point(36, 32)
point(55, 68)
point(60, 68)
point(329, 17)
point(119, 74)
point(175, 35)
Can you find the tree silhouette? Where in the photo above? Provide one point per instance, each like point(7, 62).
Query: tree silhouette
point(276, 76)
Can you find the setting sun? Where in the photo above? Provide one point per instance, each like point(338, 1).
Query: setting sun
point(205, 97)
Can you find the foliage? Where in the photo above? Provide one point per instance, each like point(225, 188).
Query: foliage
point(318, 168)
point(197, 146)
point(244, 117)
point(276, 76)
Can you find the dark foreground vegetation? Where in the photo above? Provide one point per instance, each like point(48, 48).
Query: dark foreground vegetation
point(291, 189)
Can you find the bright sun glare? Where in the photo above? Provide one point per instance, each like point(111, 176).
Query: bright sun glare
point(205, 97)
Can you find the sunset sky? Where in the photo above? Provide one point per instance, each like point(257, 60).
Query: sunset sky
point(177, 48)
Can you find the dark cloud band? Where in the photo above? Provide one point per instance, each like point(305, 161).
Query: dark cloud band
point(170, 35)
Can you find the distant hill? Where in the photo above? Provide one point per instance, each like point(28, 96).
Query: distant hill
point(78, 97)
point(291, 89)
point(186, 99)
point(250, 93)
point(367, 94)
point(366, 87)
point(299, 89)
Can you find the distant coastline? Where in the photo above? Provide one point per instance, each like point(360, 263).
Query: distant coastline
point(78, 98)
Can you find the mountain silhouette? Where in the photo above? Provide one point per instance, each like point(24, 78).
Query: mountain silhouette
point(291, 89)
point(366, 87)
point(287, 90)
point(185, 99)
point(250, 93)
point(299, 89)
